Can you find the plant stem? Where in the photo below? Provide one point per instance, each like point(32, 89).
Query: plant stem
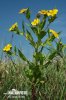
point(33, 92)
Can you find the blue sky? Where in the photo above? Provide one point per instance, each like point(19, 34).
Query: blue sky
point(9, 15)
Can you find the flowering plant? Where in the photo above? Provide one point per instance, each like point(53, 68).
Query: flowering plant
point(45, 38)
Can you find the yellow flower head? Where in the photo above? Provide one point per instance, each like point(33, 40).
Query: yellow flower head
point(52, 12)
point(54, 33)
point(13, 27)
point(7, 48)
point(23, 10)
point(43, 12)
point(35, 22)
point(55, 11)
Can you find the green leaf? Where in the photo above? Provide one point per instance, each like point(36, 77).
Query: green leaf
point(41, 35)
point(9, 53)
point(39, 57)
point(49, 43)
point(28, 14)
point(52, 37)
point(29, 73)
point(38, 73)
point(30, 38)
point(22, 55)
point(42, 24)
point(23, 27)
point(45, 42)
point(64, 47)
point(52, 55)
point(34, 29)
point(38, 15)
point(52, 19)
point(17, 31)
point(15, 49)
point(59, 46)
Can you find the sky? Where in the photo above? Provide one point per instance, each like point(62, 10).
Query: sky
point(9, 15)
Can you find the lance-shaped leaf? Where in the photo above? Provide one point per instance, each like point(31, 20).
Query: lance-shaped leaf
point(23, 27)
point(52, 55)
point(48, 41)
point(42, 23)
point(22, 55)
point(15, 49)
point(28, 14)
point(64, 47)
point(51, 39)
point(45, 42)
point(30, 38)
point(59, 47)
point(52, 19)
point(41, 34)
point(9, 53)
point(34, 29)
point(39, 57)
point(38, 15)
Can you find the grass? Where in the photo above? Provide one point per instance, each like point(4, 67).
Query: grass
point(52, 88)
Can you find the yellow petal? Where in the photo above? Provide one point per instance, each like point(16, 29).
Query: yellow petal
point(35, 22)
point(23, 10)
point(54, 33)
point(7, 48)
point(13, 27)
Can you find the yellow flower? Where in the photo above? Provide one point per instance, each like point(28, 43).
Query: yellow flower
point(54, 33)
point(52, 12)
point(7, 48)
point(13, 27)
point(43, 12)
point(23, 10)
point(55, 11)
point(35, 22)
